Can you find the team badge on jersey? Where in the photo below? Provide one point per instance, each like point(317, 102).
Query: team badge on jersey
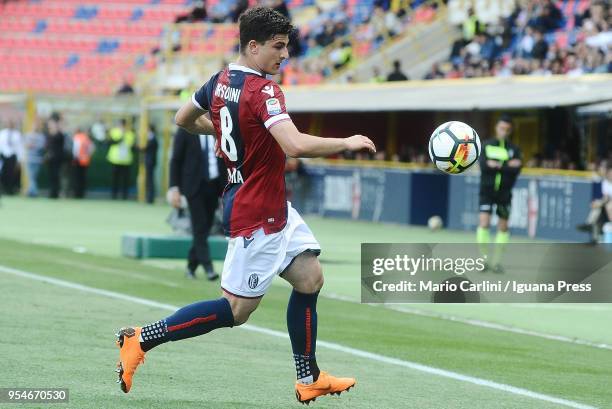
point(273, 106)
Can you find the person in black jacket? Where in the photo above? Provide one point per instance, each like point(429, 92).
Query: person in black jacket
point(197, 174)
point(150, 152)
point(500, 165)
point(55, 155)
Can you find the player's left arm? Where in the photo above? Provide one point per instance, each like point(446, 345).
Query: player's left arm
point(269, 106)
point(301, 145)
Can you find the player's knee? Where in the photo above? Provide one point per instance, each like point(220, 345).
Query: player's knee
point(314, 281)
point(241, 314)
point(241, 317)
point(241, 309)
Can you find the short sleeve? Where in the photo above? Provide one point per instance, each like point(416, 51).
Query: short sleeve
point(269, 105)
point(201, 98)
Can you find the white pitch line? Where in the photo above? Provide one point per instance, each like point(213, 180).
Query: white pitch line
point(330, 345)
point(477, 323)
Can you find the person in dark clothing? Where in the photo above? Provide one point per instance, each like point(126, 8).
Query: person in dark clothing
point(56, 140)
point(197, 174)
point(281, 7)
point(82, 151)
point(500, 165)
point(150, 152)
point(397, 74)
point(238, 8)
point(540, 46)
point(11, 146)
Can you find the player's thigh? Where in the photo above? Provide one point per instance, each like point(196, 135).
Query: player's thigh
point(251, 263)
point(305, 273)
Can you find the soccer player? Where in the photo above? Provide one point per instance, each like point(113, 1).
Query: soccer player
point(268, 237)
point(500, 165)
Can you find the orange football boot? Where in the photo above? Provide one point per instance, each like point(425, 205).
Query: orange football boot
point(130, 356)
point(325, 385)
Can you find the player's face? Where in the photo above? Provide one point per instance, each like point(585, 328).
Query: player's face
point(272, 53)
point(502, 130)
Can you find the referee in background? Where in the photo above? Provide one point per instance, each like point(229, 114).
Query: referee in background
point(500, 165)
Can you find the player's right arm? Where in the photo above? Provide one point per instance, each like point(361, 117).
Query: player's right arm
point(301, 145)
point(193, 120)
point(192, 115)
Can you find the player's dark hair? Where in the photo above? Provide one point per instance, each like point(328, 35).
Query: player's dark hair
point(505, 118)
point(261, 24)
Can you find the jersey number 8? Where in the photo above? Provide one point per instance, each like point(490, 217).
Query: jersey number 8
point(227, 142)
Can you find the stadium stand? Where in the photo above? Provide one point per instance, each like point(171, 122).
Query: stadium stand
point(536, 37)
point(78, 47)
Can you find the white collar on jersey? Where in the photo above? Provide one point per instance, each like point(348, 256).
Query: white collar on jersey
point(238, 67)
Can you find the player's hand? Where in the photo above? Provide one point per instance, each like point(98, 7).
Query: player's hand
point(175, 198)
point(359, 142)
point(514, 163)
point(493, 164)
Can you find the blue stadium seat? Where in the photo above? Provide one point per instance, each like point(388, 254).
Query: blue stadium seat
point(137, 14)
point(72, 60)
point(85, 12)
point(41, 26)
point(106, 46)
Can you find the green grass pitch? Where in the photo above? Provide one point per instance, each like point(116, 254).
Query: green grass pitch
point(54, 336)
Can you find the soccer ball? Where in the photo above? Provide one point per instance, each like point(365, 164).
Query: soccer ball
point(435, 223)
point(454, 147)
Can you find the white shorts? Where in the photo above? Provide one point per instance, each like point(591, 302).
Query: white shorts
point(251, 264)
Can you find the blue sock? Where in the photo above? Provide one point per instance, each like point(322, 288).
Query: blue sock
point(302, 327)
point(190, 321)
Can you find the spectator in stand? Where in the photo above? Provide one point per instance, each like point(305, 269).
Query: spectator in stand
point(377, 77)
point(197, 13)
point(471, 26)
point(126, 88)
point(397, 74)
point(35, 150)
point(327, 36)
point(435, 73)
point(550, 17)
point(238, 8)
point(11, 152)
point(526, 43)
point(530, 33)
point(342, 56)
point(539, 51)
point(278, 5)
point(82, 151)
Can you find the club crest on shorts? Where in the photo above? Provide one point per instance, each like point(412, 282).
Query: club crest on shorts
point(253, 281)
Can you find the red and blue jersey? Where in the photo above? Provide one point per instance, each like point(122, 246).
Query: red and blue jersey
point(243, 106)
